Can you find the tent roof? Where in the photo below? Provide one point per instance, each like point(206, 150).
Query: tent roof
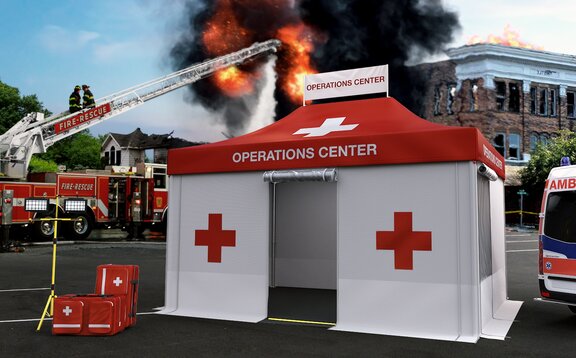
point(385, 132)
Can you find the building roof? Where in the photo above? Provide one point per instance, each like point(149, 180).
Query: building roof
point(352, 133)
point(139, 140)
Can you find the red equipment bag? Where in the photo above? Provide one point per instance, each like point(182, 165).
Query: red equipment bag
point(120, 280)
point(88, 315)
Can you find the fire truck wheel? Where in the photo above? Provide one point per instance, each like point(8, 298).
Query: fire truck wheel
point(81, 226)
point(44, 230)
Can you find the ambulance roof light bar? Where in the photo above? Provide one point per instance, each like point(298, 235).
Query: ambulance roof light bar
point(565, 161)
point(301, 175)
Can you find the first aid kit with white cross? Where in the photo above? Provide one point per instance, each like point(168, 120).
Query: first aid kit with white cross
point(110, 310)
point(88, 315)
point(120, 280)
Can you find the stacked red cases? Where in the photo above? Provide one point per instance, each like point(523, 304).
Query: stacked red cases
point(122, 281)
point(88, 315)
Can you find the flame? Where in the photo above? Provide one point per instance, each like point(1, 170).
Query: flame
point(233, 82)
point(508, 38)
point(297, 40)
point(224, 33)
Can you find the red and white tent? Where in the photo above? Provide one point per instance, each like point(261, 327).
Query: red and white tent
point(363, 197)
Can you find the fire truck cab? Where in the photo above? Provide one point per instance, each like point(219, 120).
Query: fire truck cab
point(557, 238)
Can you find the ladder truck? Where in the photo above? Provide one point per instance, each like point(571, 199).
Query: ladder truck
point(110, 199)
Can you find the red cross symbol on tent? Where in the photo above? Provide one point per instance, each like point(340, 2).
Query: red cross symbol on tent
point(328, 126)
point(403, 241)
point(215, 238)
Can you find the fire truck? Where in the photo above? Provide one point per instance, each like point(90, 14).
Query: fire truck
point(130, 201)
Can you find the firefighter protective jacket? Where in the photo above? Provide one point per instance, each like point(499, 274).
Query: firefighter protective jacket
point(74, 101)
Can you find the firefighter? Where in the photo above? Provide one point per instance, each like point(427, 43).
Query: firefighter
point(88, 98)
point(75, 99)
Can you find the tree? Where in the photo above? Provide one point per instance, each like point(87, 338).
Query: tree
point(546, 157)
point(14, 107)
point(38, 165)
point(79, 151)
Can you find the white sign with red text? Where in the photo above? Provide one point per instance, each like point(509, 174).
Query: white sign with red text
point(346, 83)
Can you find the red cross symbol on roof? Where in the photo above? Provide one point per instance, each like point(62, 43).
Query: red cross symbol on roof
point(403, 241)
point(215, 238)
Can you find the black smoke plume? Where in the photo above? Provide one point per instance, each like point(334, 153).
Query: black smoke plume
point(354, 33)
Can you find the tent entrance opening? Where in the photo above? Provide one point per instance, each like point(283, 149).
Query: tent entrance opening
point(303, 252)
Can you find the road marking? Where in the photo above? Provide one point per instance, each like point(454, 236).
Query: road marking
point(25, 289)
point(49, 319)
point(527, 250)
point(516, 241)
point(517, 235)
point(24, 320)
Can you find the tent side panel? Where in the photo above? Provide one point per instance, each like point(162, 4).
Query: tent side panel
point(498, 312)
point(379, 291)
point(223, 234)
point(172, 246)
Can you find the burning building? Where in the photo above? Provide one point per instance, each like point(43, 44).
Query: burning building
point(516, 96)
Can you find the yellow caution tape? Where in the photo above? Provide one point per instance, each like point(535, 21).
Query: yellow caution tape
point(520, 212)
point(300, 321)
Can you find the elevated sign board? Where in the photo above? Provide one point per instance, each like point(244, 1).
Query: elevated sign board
point(347, 83)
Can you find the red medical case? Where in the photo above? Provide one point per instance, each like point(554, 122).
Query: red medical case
point(88, 315)
point(120, 280)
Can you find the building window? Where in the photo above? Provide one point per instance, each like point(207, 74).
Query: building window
point(514, 100)
point(533, 100)
point(543, 102)
point(499, 143)
point(473, 96)
point(514, 146)
point(437, 100)
point(500, 95)
point(553, 103)
point(112, 156)
point(118, 157)
point(450, 99)
point(570, 104)
point(533, 141)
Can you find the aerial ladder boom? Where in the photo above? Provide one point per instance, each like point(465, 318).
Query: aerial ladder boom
point(34, 133)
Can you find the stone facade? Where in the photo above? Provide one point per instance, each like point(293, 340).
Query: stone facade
point(516, 97)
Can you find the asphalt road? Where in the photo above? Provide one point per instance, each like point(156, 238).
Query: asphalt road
point(541, 330)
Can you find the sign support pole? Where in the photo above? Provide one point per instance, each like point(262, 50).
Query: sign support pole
point(49, 308)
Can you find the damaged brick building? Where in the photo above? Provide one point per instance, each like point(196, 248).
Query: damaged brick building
point(517, 97)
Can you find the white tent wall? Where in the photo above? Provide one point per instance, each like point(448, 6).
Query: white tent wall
point(438, 298)
point(498, 312)
point(237, 287)
point(305, 235)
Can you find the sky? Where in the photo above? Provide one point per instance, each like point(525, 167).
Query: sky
point(47, 47)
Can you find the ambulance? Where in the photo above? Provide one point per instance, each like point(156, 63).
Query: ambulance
point(557, 237)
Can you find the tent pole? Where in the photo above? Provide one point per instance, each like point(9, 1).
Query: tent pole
point(273, 237)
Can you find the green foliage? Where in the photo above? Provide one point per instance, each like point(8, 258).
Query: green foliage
point(548, 156)
point(38, 165)
point(14, 107)
point(79, 151)
point(75, 152)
